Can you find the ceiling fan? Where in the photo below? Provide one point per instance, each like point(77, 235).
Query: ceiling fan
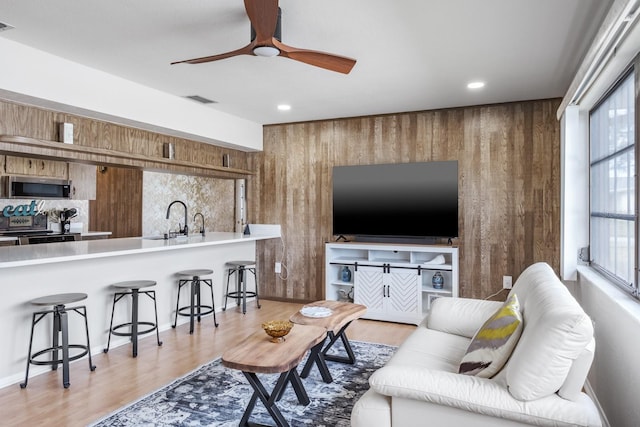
point(265, 23)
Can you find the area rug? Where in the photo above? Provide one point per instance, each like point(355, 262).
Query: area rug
point(214, 395)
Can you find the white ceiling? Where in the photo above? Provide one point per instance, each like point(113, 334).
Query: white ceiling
point(412, 54)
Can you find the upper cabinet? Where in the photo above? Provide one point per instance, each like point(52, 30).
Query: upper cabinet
point(35, 167)
point(83, 181)
point(82, 176)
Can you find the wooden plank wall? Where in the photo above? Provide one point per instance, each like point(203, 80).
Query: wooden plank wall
point(118, 204)
point(509, 187)
point(32, 122)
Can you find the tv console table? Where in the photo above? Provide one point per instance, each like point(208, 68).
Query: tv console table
point(394, 281)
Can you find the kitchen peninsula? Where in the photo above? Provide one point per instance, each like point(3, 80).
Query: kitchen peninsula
point(28, 272)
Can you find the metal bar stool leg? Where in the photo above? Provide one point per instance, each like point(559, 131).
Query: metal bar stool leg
point(192, 308)
point(226, 294)
point(61, 314)
point(152, 295)
point(92, 367)
point(196, 283)
point(180, 283)
point(113, 308)
point(209, 283)
point(134, 321)
point(243, 282)
point(55, 340)
point(33, 325)
point(255, 280)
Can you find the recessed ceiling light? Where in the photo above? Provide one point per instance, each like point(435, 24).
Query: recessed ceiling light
point(475, 85)
point(284, 107)
point(201, 99)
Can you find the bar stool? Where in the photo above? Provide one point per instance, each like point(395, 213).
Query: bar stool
point(132, 287)
point(196, 308)
point(60, 327)
point(240, 294)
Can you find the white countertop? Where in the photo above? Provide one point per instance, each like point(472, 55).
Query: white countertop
point(18, 256)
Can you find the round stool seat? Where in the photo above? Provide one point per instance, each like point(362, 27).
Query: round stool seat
point(134, 284)
point(195, 272)
point(59, 299)
point(240, 263)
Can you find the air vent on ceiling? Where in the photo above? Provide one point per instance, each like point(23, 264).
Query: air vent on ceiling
point(201, 99)
point(5, 27)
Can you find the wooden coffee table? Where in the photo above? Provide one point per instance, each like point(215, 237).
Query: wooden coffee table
point(343, 313)
point(257, 354)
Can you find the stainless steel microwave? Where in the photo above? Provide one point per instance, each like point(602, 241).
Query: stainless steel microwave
point(26, 187)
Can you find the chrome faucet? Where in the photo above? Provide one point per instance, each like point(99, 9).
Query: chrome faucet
point(185, 230)
point(201, 216)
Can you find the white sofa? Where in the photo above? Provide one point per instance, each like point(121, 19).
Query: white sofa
point(541, 383)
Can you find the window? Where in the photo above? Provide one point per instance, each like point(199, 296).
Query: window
point(613, 188)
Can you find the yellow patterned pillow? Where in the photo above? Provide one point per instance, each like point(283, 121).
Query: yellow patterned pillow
point(492, 345)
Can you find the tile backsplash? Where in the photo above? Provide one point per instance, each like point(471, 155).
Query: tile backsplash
point(214, 198)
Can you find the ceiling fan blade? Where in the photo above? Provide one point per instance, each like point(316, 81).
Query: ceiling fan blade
point(263, 15)
point(328, 61)
point(247, 50)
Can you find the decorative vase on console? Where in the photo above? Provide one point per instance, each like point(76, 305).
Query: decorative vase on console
point(437, 280)
point(345, 274)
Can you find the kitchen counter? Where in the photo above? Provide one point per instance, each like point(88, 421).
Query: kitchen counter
point(19, 256)
point(92, 266)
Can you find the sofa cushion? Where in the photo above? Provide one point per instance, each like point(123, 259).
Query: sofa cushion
point(556, 332)
point(494, 342)
point(460, 316)
point(426, 348)
point(371, 410)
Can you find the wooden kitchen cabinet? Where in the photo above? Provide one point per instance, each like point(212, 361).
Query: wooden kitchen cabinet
point(35, 167)
point(83, 181)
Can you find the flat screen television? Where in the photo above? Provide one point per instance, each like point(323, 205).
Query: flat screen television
point(401, 200)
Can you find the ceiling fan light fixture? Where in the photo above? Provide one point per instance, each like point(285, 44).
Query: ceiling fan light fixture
point(266, 51)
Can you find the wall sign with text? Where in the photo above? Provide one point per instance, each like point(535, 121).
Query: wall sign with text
point(32, 209)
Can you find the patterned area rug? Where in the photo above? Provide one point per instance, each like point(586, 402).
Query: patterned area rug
point(214, 395)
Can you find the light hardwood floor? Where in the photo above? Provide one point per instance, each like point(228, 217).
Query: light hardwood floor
point(120, 379)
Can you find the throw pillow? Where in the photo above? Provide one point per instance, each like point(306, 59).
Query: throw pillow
point(493, 343)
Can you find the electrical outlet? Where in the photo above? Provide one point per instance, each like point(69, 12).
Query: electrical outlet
point(507, 282)
point(278, 267)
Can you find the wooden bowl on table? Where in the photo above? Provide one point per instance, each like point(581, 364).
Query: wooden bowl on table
point(277, 329)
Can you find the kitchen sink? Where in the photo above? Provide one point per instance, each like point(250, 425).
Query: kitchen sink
point(158, 238)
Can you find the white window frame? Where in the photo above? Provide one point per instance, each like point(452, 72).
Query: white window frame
point(614, 210)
